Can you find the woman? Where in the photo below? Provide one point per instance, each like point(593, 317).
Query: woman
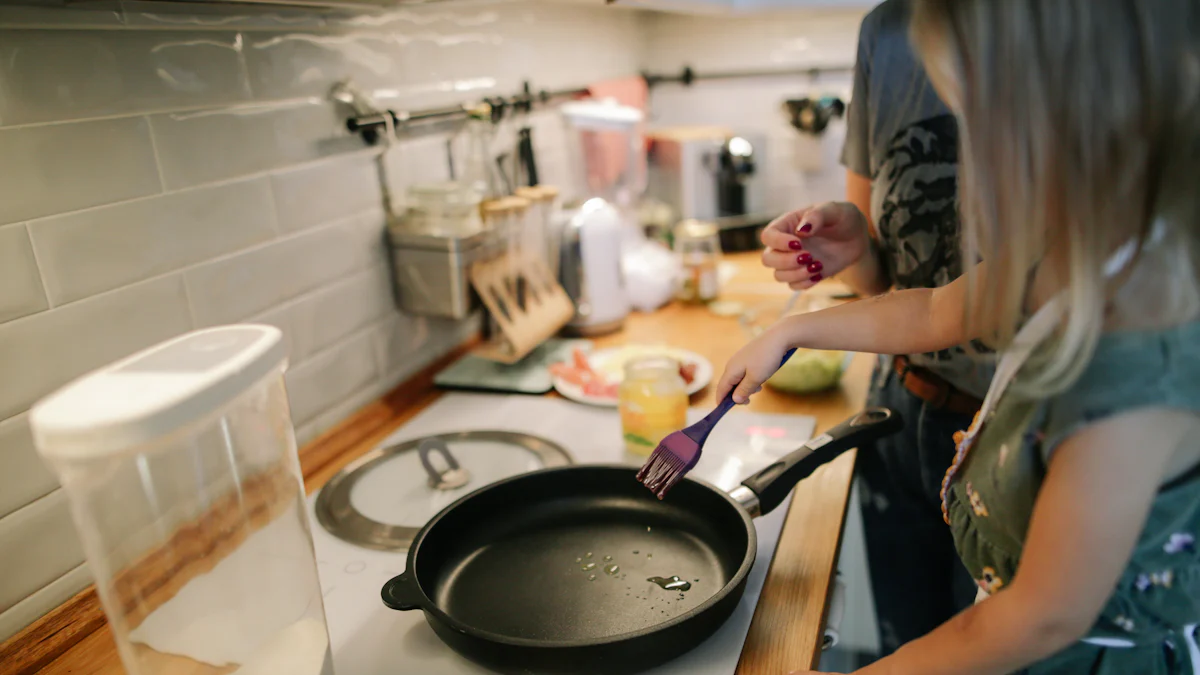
point(1074, 498)
point(901, 157)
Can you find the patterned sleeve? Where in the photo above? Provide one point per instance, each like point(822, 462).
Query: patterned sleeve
point(856, 152)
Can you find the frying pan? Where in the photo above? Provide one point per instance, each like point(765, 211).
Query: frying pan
point(517, 575)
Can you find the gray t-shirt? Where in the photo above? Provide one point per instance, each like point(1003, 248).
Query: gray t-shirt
point(901, 136)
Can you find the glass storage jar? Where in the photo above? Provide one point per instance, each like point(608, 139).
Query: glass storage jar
point(698, 245)
point(653, 402)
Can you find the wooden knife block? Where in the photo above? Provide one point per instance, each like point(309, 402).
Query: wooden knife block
point(547, 306)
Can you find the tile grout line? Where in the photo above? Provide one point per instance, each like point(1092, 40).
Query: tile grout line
point(225, 256)
point(162, 181)
point(248, 177)
point(187, 299)
point(375, 366)
point(37, 262)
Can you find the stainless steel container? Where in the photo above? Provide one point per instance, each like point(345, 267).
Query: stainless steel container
point(431, 274)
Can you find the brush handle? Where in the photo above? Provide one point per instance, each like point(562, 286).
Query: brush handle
point(700, 430)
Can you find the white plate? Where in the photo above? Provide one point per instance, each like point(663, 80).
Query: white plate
point(602, 358)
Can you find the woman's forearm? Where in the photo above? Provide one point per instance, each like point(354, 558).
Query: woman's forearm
point(867, 277)
point(911, 321)
point(996, 637)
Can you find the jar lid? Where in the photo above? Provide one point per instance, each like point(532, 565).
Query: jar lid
point(538, 193)
point(695, 229)
point(155, 392)
point(652, 364)
point(533, 193)
point(505, 205)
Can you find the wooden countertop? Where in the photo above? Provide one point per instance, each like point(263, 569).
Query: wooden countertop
point(786, 632)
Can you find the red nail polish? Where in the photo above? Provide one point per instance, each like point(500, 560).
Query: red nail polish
point(807, 227)
point(795, 245)
point(815, 278)
point(804, 258)
point(815, 266)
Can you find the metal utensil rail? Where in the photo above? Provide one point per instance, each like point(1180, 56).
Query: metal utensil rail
point(370, 126)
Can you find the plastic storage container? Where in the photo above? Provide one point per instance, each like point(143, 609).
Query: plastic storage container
point(180, 467)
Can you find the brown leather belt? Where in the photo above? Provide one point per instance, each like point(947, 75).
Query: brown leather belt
point(934, 390)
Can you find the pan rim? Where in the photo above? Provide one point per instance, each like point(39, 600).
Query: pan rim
point(428, 606)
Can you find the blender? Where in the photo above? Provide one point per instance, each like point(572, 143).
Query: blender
point(608, 176)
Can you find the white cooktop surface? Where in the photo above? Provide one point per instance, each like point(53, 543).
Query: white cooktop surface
point(370, 639)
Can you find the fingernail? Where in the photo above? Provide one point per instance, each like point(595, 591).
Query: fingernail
point(795, 245)
point(815, 266)
point(804, 258)
point(806, 228)
point(815, 278)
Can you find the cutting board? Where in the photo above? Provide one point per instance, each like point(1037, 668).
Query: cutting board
point(530, 375)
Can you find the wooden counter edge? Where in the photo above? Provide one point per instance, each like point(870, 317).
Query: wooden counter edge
point(53, 635)
point(788, 627)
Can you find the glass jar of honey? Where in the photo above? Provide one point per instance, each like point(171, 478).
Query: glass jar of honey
point(653, 402)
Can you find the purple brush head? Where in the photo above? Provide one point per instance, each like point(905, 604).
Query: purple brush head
point(671, 460)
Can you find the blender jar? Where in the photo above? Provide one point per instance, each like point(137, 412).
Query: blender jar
point(180, 467)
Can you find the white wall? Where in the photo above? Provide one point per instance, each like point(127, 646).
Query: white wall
point(799, 169)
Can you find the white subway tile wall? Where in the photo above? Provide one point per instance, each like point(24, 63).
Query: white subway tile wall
point(89, 252)
point(168, 169)
point(64, 167)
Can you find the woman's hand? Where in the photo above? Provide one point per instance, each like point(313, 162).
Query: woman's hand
point(809, 244)
point(753, 364)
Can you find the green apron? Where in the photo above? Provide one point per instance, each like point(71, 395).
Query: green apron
point(1148, 625)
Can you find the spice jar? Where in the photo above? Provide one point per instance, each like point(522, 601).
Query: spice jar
point(699, 248)
point(653, 402)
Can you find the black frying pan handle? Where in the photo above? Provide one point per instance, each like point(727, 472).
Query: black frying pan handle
point(772, 484)
point(402, 593)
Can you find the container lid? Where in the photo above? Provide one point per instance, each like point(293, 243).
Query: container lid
point(532, 193)
point(154, 392)
point(504, 205)
point(604, 114)
point(695, 229)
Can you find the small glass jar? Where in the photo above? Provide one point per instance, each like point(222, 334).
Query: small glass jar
point(443, 209)
point(653, 402)
point(698, 245)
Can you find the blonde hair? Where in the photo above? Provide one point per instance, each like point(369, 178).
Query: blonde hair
point(1079, 129)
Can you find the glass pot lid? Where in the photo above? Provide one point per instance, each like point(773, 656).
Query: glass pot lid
point(382, 499)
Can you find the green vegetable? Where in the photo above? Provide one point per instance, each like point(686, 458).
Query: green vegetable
point(808, 371)
point(638, 440)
